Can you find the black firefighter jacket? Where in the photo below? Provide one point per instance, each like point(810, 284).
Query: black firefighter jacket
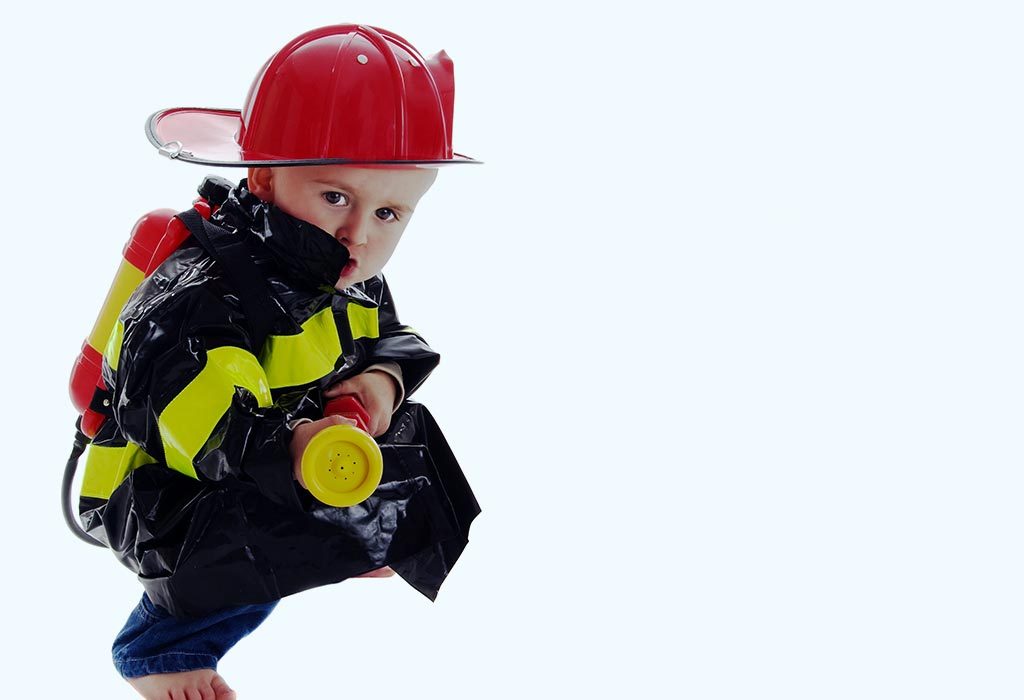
point(190, 483)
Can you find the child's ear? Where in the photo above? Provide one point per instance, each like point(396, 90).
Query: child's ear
point(260, 182)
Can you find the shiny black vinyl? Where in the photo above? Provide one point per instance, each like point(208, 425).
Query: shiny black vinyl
point(244, 531)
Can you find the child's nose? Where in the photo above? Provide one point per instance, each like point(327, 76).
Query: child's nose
point(352, 232)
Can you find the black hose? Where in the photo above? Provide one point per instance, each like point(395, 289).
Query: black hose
point(81, 441)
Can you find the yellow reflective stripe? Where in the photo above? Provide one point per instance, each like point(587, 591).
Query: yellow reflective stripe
point(187, 422)
point(128, 277)
point(363, 321)
point(112, 353)
point(292, 360)
point(106, 468)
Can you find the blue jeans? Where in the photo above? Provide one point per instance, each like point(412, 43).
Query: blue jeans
point(154, 641)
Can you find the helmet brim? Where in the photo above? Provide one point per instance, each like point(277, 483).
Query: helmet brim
point(210, 137)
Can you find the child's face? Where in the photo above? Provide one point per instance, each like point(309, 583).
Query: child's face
point(365, 209)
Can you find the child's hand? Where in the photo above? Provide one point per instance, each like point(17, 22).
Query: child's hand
point(303, 433)
point(376, 391)
point(385, 572)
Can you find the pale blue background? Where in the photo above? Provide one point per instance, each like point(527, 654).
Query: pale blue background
point(755, 274)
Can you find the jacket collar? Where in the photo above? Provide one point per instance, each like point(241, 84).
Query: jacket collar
point(305, 253)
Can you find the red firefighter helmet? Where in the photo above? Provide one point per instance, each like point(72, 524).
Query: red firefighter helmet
point(346, 93)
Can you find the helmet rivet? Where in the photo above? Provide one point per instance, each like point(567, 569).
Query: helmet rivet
point(362, 59)
point(413, 62)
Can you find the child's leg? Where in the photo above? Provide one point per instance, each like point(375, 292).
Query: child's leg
point(153, 641)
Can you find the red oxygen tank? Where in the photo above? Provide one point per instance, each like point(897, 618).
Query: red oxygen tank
point(153, 238)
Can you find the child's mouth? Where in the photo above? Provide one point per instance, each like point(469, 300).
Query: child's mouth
point(349, 266)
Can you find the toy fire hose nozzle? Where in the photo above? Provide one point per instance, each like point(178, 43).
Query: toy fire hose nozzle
point(342, 464)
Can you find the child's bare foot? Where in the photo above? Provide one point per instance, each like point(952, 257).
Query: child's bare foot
point(203, 684)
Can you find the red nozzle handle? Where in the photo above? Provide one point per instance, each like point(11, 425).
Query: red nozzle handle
point(348, 405)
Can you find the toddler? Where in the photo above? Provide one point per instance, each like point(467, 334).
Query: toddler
point(220, 364)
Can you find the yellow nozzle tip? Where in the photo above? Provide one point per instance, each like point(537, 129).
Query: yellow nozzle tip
point(342, 466)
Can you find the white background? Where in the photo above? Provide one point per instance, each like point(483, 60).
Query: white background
point(731, 331)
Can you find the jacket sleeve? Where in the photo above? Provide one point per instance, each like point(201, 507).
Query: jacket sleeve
point(187, 386)
point(401, 344)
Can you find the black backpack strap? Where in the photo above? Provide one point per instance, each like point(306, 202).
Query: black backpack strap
point(254, 295)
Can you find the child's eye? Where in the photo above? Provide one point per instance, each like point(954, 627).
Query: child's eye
point(389, 214)
point(334, 198)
